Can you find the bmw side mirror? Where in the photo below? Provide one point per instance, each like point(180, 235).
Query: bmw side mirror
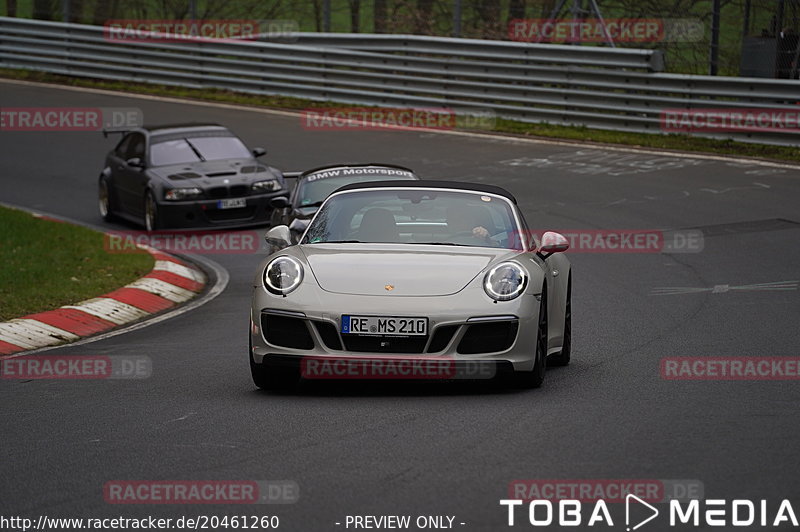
point(258, 152)
point(278, 238)
point(299, 226)
point(552, 242)
point(279, 202)
point(135, 162)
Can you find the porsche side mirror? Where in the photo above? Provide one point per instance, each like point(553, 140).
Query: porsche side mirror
point(552, 242)
point(135, 162)
point(258, 152)
point(278, 238)
point(279, 202)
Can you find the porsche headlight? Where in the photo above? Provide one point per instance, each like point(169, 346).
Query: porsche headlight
point(265, 186)
point(177, 194)
point(505, 281)
point(283, 275)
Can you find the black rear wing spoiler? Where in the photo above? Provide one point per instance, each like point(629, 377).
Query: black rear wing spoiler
point(111, 130)
point(291, 178)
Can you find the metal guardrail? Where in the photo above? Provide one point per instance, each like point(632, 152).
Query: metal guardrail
point(477, 49)
point(594, 87)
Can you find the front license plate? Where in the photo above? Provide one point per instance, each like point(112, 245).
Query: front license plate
point(234, 203)
point(384, 325)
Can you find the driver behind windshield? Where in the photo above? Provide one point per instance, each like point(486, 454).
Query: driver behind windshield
point(470, 220)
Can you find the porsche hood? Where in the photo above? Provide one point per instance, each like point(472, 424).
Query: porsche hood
point(398, 270)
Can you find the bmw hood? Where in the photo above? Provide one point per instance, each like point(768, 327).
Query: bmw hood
point(410, 270)
point(214, 173)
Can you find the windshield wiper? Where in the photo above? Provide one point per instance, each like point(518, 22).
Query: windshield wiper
point(195, 150)
point(338, 242)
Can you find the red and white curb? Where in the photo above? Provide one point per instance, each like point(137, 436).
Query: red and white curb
point(170, 283)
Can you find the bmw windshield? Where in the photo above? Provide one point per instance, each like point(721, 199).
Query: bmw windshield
point(416, 216)
point(197, 149)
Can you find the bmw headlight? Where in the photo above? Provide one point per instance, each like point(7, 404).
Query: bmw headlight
point(265, 186)
point(505, 281)
point(177, 194)
point(283, 275)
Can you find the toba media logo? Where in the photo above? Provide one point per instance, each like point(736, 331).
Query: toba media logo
point(638, 513)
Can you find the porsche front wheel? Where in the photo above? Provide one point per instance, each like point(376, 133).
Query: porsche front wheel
point(535, 377)
point(562, 358)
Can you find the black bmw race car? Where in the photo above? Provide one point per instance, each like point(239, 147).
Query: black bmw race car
point(190, 175)
point(313, 186)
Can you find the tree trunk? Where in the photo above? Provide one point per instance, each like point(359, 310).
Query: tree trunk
point(516, 9)
point(103, 11)
point(355, 16)
point(379, 16)
point(43, 9)
point(424, 16)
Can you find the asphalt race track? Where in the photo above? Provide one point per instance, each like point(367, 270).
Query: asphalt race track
point(438, 449)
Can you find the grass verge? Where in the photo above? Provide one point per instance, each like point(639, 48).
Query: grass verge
point(46, 264)
point(684, 143)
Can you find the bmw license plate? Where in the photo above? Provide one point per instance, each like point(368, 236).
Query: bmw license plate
point(384, 325)
point(234, 203)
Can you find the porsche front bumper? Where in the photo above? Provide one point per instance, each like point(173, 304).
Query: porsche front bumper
point(462, 327)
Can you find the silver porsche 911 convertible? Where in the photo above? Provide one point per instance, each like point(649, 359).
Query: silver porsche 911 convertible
point(416, 280)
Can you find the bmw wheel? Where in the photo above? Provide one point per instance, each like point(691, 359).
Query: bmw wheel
point(152, 218)
point(104, 200)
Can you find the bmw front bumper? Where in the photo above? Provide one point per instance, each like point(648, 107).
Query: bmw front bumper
point(208, 214)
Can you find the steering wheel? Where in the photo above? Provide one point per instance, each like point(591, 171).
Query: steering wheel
point(463, 233)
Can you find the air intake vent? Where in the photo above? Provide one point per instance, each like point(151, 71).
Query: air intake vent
point(330, 336)
point(253, 169)
point(442, 337)
point(185, 175)
point(488, 337)
point(239, 190)
point(286, 331)
point(221, 174)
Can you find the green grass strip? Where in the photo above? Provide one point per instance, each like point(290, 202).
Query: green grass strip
point(46, 264)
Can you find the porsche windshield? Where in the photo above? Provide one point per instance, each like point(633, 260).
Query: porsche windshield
point(197, 149)
point(416, 216)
